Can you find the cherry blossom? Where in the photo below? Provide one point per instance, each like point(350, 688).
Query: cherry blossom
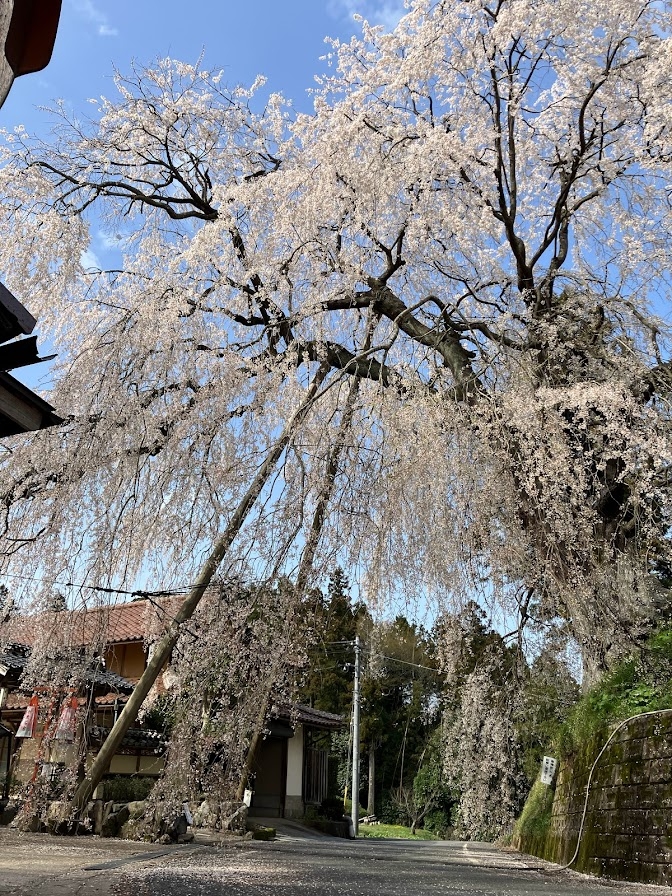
point(472, 226)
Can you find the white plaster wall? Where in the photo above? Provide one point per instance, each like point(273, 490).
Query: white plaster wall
point(123, 765)
point(151, 765)
point(295, 763)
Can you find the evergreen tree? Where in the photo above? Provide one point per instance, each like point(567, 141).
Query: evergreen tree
point(329, 676)
point(400, 705)
point(400, 689)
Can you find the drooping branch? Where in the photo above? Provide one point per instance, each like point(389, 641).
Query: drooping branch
point(309, 550)
point(161, 653)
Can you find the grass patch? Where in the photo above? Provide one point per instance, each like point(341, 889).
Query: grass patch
point(393, 832)
point(535, 819)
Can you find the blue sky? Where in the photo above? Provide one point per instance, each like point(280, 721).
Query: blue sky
point(281, 40)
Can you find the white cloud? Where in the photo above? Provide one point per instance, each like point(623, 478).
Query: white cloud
point(87, 10)
point(378, 12)
point(89, 261)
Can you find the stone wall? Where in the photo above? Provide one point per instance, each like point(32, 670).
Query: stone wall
point(628, 828)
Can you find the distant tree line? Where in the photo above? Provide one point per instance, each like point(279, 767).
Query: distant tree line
point(455, 719)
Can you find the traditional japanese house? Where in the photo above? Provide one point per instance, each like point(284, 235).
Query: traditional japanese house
point(289, 771)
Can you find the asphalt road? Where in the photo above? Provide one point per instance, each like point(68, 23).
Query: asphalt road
point(364, 868)
point(39, 865)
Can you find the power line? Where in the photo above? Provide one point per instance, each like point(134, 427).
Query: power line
point(394, 659)
point(384, 656)
point(138, 592)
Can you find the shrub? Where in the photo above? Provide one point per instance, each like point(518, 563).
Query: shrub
point(391, 813)
point(332, 808)
point(126, 788)
point(438, 822)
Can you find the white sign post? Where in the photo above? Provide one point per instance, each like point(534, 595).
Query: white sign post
point(548, 767)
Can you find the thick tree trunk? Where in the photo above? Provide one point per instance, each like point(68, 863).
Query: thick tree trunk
point(161, 653)
point(305, 566)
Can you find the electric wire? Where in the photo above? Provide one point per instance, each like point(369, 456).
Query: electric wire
point(108, 589)
point(105, 589)
point(394, 659)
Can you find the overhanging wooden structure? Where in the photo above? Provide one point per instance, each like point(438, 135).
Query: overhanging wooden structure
point(21, 410)
point(27, 34)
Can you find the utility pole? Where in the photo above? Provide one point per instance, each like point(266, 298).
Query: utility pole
point(356, 696)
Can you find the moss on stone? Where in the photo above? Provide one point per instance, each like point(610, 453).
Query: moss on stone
point(631, 792)
point(535, 820)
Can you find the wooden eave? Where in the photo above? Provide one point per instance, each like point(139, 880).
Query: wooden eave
point(22, 410)
point(31, 35)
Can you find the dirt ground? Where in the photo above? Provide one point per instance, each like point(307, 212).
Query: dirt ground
point(41, 865)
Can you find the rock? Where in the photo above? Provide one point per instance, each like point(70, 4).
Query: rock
point(32, 825)
point(110, 827)
point(115, 821)
point(59, 817)
point(176, 827)
point(137, 809)
point(134, 829)
point(233, 817)
point(95, 813)
point(8, 814)
point(261, 833)
point(171, 828)
point(206, 815)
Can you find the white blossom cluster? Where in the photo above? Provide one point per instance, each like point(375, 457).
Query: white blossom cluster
point(238, 657)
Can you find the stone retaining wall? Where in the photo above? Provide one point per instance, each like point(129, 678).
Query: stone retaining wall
point(628, 829)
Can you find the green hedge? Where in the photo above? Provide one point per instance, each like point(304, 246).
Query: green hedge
point(126, 788)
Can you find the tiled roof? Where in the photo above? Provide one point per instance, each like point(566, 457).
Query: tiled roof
point(132, 621)
point(17, 700)
point(306, 715)
point(112, 680)
point(16, 658)
point(144, 740)
point(139, 618)
point(110, 699)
